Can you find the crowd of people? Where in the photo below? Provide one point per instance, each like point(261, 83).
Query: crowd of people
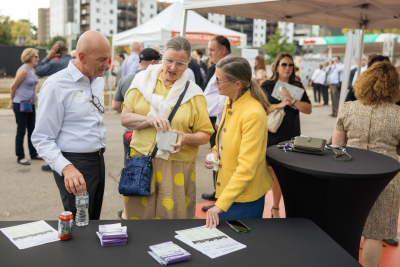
point(225, 105)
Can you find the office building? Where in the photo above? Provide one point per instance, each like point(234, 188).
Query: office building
point(43, 32)
point(255, 29)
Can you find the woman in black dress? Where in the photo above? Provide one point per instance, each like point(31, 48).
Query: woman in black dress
point(284, 70)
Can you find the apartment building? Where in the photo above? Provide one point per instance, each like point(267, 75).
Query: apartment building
point(43, 33)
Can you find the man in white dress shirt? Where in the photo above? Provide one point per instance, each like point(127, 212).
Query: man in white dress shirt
point(70, 132)
point(218, 48)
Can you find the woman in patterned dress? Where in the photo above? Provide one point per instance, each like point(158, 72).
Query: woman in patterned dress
point(153, 94)
point(373, 123)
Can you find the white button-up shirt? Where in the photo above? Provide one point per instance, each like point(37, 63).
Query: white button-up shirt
point(215, 101)
point(355, 74)
point(66, 120)
point(319, 76)
point(336, 73)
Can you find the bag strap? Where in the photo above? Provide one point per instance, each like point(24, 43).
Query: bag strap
point(339, 153)
point(171, 116)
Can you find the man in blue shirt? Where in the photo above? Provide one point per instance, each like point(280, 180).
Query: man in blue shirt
point(335, 81)
point(131, 64)
point(48, 66)
point(70, 131)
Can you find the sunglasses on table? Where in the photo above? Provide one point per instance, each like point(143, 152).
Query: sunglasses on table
point(180, 65)
point(96, 102)
point(285, 65)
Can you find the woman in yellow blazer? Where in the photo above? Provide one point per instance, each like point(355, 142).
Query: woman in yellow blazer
point(243, 178)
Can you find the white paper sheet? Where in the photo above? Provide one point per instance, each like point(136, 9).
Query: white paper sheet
point(211, 242)
point(294, 91)
point(31, 234)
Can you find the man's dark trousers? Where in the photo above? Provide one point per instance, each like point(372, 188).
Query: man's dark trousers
point(212, 139)
point(93, 171)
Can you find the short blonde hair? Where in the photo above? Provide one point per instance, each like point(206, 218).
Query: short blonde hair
point(379, 84)
point(28, 54)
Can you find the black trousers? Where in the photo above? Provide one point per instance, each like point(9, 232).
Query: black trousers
point(93, 171)
point(24, 121)
point(325, 94)
point(212, 141)
point(317, 92)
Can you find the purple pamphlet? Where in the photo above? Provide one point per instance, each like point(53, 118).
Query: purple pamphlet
point(168, 253)
point(112, 235)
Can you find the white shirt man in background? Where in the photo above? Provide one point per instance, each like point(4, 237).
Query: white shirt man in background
point(364, 66)
point(317, 82)
point(219, 47)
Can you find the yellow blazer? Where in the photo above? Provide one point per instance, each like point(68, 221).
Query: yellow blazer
point(243, 174)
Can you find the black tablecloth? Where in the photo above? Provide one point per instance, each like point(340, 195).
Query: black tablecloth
point(337, 196)
point(277, 242)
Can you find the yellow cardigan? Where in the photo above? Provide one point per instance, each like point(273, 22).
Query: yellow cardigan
point(243, 174)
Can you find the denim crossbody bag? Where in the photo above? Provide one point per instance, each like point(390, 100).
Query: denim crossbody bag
point(26, 105)
point(136, 175)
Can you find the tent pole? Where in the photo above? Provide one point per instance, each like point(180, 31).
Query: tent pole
point(360, 51)
point(346, 70)
point(184, 20)
point(110, 76)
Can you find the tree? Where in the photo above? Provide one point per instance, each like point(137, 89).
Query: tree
point(278, 44)
point(5, 31)
point(20, 28)
point(54, 40)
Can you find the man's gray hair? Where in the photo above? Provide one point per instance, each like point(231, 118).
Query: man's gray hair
point(179, 43)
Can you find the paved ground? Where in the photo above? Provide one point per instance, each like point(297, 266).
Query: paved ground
point(27, 193)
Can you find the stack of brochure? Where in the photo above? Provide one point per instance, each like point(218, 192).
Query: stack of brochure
point(211, 242)
point(112, 235)
point(168, 253)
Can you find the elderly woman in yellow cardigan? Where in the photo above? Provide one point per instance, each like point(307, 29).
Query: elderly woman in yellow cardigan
point(243, 178)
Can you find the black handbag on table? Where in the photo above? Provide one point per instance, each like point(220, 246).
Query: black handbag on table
point(136, 175)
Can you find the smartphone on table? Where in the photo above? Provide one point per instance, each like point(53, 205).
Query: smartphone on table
point(238, 226)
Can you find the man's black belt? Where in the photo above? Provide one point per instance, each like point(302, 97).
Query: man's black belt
point(97, 153)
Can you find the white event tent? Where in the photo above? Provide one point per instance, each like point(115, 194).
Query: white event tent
point(168, 23)
point(353, 14)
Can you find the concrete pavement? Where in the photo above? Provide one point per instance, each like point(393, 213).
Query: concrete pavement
point(27, 193)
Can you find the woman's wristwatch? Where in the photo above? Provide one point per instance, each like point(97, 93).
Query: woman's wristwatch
point(293, 101)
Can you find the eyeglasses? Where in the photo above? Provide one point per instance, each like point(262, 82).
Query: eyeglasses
point(96, 102)
point(179, 64)
point(220, 81)
point(285, 65)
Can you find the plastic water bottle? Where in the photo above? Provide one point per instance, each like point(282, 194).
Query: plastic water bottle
point(82, 209)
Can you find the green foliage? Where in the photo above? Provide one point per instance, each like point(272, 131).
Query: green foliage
point(54, 40)
point(276, 45)
point(34, 30)
point(20, 28)
point(5, 31)
point(396, 31)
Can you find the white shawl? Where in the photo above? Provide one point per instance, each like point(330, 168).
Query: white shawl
point(145, 81)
